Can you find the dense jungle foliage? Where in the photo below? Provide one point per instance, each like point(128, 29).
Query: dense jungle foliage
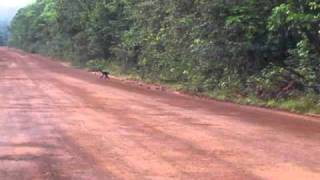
point(265, 49)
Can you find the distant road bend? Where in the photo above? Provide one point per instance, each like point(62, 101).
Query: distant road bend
point(58, 123)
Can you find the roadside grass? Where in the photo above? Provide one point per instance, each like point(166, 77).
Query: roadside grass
point(304, 104)
point(300, 104)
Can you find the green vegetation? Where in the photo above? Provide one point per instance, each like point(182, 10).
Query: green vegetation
point(251, 51)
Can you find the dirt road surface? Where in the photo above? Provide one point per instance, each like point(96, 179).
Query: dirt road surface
point(62, 123)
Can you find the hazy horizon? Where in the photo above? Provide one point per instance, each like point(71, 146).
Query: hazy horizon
point(8, 9)
point(14, 3)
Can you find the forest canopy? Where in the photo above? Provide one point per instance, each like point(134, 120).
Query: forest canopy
point(268, 49)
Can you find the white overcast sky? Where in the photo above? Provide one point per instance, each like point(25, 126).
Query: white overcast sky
point(14, 3)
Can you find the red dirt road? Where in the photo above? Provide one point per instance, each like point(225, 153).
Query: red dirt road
point(61, 123)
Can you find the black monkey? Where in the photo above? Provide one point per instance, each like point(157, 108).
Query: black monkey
point(104, 74)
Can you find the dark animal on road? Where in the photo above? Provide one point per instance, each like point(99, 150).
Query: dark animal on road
point(104, 74)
